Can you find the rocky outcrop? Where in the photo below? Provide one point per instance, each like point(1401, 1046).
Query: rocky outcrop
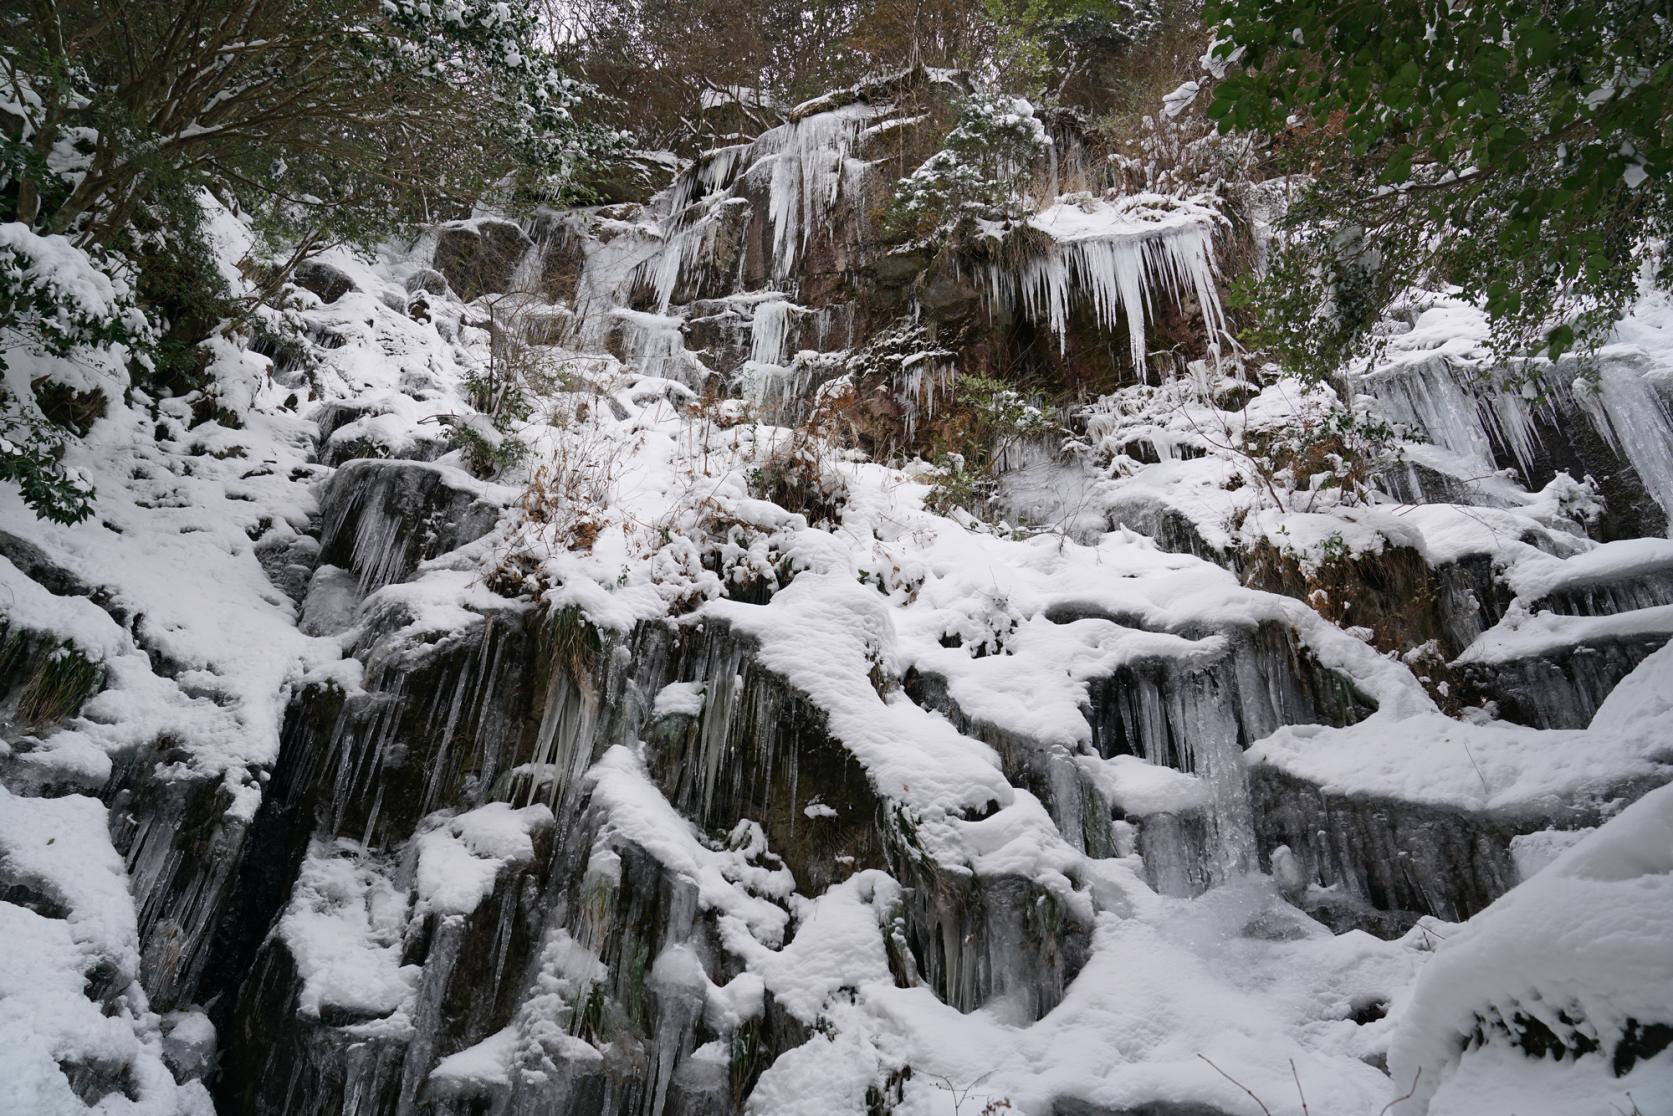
point(481, 256)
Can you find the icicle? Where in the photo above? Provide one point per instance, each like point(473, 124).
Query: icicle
point(810, 171)
point(1121, 267)
point(526, 277)
point(919, 381)
point(1637, 420)
point(656, 346)
point(770, 331)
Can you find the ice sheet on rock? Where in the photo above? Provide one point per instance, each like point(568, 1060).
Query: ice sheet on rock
point(810, 171)
point(1432, 758)
point(1533, 852)
point(1441, 377)
point(822, 634)
point(1621, 560)
point(1635, 413)
point(769, 331)
point(1128, 1035)
point(1138, 788)
point(69, 994)
point(60, 848)
point(655, 345)
point(633, 809)
point(1521, 635)
point(485, 1064)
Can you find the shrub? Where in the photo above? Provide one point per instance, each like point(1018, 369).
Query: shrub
point(975, 435)
point(1330, 450)
point(797, 476)
point(55, 300)
point(488, 451)
point(977, 175)
point(1518, 151)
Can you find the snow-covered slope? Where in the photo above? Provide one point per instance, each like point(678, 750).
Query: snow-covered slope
point(697, 764)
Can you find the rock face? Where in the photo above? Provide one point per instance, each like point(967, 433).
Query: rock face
point(480, 257)
point(330, 283)
point(710, 809)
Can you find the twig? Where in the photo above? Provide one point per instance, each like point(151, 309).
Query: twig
point(1241, 1085)
point(1484, 787)
point(1298, 1091)
point(1408, 1095)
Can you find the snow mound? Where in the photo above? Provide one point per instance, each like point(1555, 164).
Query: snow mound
point(1572, 965)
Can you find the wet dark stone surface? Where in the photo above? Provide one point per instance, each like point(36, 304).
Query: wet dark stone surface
point(1393, 856)
point(480, 257)
point(1563, 688)
point(328, 282)
point(382, 518)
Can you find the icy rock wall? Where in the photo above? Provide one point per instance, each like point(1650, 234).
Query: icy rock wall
point(511, 859)
point(1616, 427)
point(385, 517)
point(463, 723)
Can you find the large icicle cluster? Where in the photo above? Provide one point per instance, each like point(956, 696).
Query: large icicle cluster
point(1120, 256)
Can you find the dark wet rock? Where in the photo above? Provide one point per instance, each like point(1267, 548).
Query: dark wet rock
point(1607, 596)
point(1390, 855)
point(480, 257)
point(1172, 530)
point(632, 177)
point(328, 282)
point(288, 562)
point(428, 281)
point(1071, 1106)
point(182, 845)
point(69, 408)
point(94, 1081)
point(1563, 687)
point(1006, 942)
point(382, 518)
point(759, 750)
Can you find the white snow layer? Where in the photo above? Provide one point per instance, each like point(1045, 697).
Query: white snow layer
point(1581, 950)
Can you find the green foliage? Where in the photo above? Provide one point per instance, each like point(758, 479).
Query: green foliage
point(31, 451)
point(798, 477)
point(1329, 450)
point(978, 174)
point(1520, 150)
point(328, 121)
point(57, 301)
point(974, 434)
point(180, 283)
point(1041, 45)
point(56, 680)
point(1311, 308)
point(488, 452)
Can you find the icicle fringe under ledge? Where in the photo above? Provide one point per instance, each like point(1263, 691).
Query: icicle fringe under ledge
point(1122, 257)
